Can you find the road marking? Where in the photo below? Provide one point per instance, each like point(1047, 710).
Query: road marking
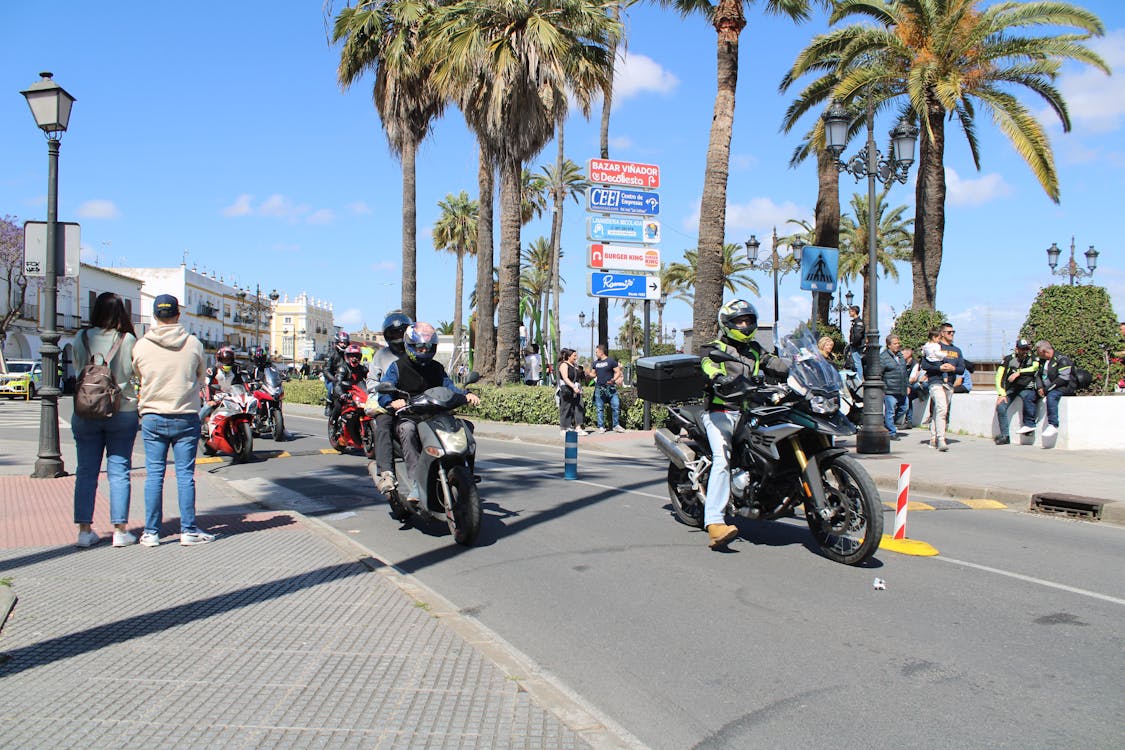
point(985, 504)
point(279, 495)
point(1033, 579)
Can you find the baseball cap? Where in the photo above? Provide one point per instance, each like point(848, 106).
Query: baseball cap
point(165, 306)
point(1023, 344)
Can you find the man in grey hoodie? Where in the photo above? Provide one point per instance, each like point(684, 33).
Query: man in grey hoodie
point(169, 362)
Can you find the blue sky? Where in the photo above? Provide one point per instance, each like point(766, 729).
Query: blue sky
point(217, 129)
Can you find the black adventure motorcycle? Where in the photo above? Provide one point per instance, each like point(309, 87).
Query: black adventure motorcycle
point(782, 456)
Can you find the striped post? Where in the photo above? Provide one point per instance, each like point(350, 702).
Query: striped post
point(903, 500)
point(571, 455)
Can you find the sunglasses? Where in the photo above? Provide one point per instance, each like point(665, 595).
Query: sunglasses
point(949, 330)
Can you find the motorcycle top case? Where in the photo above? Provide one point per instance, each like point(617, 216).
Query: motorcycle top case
point(668, 378)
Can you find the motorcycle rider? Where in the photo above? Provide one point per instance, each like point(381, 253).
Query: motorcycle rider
point(394, 326)
point(414, 372)
point(738, 322)
point(260, 360)
point(1015, 378)
point(220, 379)
point(335, 359)
point(350, 371)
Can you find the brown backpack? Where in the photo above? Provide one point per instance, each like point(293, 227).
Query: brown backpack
point(97, 394)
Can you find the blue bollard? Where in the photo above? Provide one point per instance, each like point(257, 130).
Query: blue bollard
point(571, 454)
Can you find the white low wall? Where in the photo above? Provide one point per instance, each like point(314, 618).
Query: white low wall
point(1085, 422)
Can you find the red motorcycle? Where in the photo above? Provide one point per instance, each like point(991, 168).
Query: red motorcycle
point(229, 428)
point(269, 393)
point(356, 427)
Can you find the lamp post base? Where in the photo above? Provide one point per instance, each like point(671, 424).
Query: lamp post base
point(873, 440)
point(48, 468)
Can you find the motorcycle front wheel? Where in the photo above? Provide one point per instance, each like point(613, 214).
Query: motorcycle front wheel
point(687, 506)
point(243, 442)
point(851, 534)
point(368, 439)
point(278, 426)
point(465, 503)
point(333, 440)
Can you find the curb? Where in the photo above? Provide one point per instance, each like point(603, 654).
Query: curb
point(8, 601)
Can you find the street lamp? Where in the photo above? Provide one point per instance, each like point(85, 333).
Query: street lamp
point(774, 263)
point(50, 105)
point(873, 436)
point(1071, 268)
point(591, 325)
point(257, 308)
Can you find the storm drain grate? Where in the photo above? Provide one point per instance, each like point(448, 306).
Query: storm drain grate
point(1068, 505)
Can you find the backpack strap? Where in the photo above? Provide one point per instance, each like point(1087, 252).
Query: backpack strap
point(108, 356)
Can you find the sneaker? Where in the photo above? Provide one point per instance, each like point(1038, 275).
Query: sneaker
point(933, 442)
point(1050, 431)
point(583, 432)
point(149, 539)
point(385, 483)
point(895, 436)
point(1002, 440)
point(618, 428)
point(192, 538)
point(123, 538)
point(87, 539)
point(1027, 429)
point(601, 430)
point(721, 534)
point(941, 446)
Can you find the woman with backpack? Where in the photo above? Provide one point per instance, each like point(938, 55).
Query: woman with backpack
point(109, 338)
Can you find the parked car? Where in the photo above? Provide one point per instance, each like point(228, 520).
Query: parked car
point(24, 379)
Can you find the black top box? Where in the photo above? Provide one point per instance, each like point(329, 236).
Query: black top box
point(669, 378)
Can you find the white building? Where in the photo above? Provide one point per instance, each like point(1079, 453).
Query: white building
point(301, 329)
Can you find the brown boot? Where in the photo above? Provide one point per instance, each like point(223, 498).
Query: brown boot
point(721, 534)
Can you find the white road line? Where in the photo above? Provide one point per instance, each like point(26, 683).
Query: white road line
point(1032, 579)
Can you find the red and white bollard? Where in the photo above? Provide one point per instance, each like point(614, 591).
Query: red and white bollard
point(903, 501)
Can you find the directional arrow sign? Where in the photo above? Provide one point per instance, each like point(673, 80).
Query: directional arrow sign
point(622, 229)
point(623, 258)
point(622, 201)
point(623, 285)
point(623, 173)
point(818, 268)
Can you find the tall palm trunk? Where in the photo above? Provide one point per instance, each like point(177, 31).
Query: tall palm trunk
point(607, 105)
point(729, 22)
point(930, 209)
point(409, 229)
point(508, 309)
point(827, 222)
point(555, 285)
point(458, 295)
point(484, 359)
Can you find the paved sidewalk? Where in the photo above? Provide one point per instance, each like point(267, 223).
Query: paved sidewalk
point(280, 634)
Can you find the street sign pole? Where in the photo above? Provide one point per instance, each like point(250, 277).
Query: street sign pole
point(646, 409)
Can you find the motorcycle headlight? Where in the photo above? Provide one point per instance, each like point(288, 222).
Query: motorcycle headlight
point(823, 404)
point(455, 442)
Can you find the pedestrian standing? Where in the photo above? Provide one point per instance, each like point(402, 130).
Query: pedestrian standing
point(895, 378)
point(170, 364)
point(532, 365)
point(856, 344)
point(109, 339)
point(571, 413)
point(607, 372)
point(941, 376)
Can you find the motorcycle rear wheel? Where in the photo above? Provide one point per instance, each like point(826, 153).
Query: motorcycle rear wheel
point(687, 507)
point(337, 444)
point(853, 533)
point(278, 426)
point(465, 524)
point(369, 440)
point(243, 443)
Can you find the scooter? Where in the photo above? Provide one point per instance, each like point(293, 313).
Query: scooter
point(444, 475)
point(354, 428)
point(269, 394)
point(229, 428)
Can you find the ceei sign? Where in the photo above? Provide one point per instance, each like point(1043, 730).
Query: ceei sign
point(630, 173)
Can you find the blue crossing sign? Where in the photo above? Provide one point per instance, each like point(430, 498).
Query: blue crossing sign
point(624, 286)
point(622, 201)
point(819, 266)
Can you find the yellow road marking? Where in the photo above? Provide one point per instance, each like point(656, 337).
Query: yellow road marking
point(911, 505)
point(328, 451)
point(907, 546)
point(985, 504)
point(209, 460)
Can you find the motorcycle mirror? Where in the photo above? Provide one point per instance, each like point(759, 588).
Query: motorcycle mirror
point(385, 387)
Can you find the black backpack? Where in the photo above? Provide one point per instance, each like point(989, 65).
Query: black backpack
point(1082, 378)
point(97, 394)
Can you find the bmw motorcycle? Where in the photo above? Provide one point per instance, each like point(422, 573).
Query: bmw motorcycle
point(783, 455)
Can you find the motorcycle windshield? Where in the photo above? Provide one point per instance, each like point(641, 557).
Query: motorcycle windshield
point(806, 364)
point(272, 378)
point(440, 397)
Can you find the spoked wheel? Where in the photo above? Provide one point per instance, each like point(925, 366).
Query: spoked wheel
point(278, 426)
point(854, 527)
point(687, 505)
point(465, 522)
point(243, 443)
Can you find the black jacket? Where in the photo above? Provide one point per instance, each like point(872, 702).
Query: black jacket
point(895, 372)
point(335, 360)
point(856, 336)
point(1056, 373)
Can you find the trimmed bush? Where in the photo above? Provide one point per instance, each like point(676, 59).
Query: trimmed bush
point(912, 326)
point(1079, 322)
point(305, 391)
point(536, 405)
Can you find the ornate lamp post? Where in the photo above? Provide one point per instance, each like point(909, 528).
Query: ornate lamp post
point(873, 436)
point(50, 105)
point(1071, 269)
point(840, 307)
point(773, 263)
point(591, 325)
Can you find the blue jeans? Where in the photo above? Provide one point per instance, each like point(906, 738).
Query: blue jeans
point(114, 439)
point(180, 432)
point(720, 426)
point(1053, 407)
point(894, 410)
point(600, 394)
point(857, 363)
point(1029, 397)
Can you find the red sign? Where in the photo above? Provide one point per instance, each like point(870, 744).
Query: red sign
point(606, 172)
point(623, 257)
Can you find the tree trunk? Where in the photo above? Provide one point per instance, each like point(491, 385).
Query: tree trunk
point(409, 230)
point(607, 106)
point(729, 22)
point(929, 198)
point(458, 295)
point(555, 287)
point(827, 222)
point(508, 309)
point(484, 358)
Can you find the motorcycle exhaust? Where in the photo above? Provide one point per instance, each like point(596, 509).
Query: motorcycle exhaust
point(676, 453)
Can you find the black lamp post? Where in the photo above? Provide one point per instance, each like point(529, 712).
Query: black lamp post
point(50, 105)
point(841, 307)
point(773, 263)
point(873, 436)
point(1071, 268)
point(591, 325)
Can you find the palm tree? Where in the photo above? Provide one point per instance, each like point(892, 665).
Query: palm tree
point(942, 59)
point(514, 62)
point(456, 231)
point(683, 276)
point(484, 339)
point(384, 37)
point(535, 274)
point(893, 240)
point(562, 180)
point(603, 140)
point(729, 19)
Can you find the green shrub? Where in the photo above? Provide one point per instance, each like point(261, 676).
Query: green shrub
point(912, 326)
point(1079, 322)
point(305, 391)
point(536, 405)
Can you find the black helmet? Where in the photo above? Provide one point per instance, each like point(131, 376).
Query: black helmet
point(342, 340)
point(736, 310)
point(353, 354)
point(259, 356)
point(394, 325)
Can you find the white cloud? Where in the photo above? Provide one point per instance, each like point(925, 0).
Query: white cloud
point(350, 318)
point(960, 192)
point(323, 216)
point(761, 215)
point(278, 206)
point(637, 74)
point(1096, 102)
point(359, 208)
point(98, 209)
point(240, 207)
point(621, 142)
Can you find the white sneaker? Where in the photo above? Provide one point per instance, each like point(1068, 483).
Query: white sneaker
point(87, 539)
point(1050, 431)
point(123, 538)
point(1027, 429)
point(601, 430)
point(148, 539)
point(192, 538)
point(618, 428)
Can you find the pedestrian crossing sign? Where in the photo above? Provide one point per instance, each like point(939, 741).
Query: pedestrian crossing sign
point(819, 267)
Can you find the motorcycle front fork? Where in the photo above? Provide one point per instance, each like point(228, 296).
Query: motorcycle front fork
point(814, 498)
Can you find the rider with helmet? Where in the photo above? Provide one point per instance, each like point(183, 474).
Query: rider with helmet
point(394, 326)
point(350, 371)
point(414, 372)
point(738, 322)
point(335, 359)
point(260, 360)
point(220, 379)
